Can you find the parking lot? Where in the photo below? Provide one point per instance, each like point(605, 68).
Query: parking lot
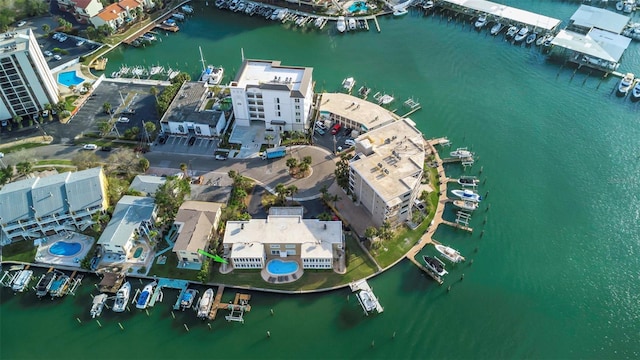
point(327, 140)
point(180, 145)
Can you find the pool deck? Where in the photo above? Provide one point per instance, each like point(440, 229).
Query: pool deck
point(281, 279)
point(45, 257)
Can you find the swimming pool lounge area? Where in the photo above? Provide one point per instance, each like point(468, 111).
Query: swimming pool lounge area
point(66, 248)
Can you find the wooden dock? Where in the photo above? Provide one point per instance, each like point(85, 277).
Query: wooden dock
point(99, 64)
point(455, 160)
point(375, 21)
point(457, 226)
point(216, 303)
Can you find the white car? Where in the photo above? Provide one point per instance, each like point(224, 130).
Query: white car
point(350, 142)
point(62, 38)
point(21, 23)
point(57, 57)
point(123, 119)
point(56, 36)
point(80, 42)
point(48, 53)
point(45, 113)
point(90, 146)
point(320, 125)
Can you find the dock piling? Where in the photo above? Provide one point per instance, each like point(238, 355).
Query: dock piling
point(98, 321)
point(449, 288)
point(268, 333)
point(488, 207)
point(186, 327)
point(173, 315)
point(462, 277)
point(394, 335)
point(147, 311)
point(209, 325)
point(271, 312)
point(481, 234)
point(121, 327)
point(79, 322)
point(373, 343)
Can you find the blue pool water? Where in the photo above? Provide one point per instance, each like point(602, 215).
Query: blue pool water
point(358, 6)
point(279, 267)
point(69, 78)
point(63, 248)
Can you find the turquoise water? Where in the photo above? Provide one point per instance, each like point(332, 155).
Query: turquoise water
point(63, 248)
point(69, 78)
point(358, 6)
point(552, 266)
point(279, 267)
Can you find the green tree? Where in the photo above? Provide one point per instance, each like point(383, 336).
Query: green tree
point(154, 91)
point(85, 160)
point(144, 164)
point(35, 8)
point(292, 163)
point(24, 168)
point(370, 232)
point(17, 119)
point(46, 28)
point(150, 128)
point(106, 107)
point(292, 190)
point(342, 171)
point(184, 168)
point(303, 168)
point(307, 160)
point(49, 108)
point(6, 173)
point(325, 216)
point(281, 193)
point(170, 196)
point(104, 127)
point(181, 78)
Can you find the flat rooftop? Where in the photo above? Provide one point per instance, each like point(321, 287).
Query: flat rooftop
point(188, 106)
point(368, 114)
point(593, 17)
point(503, 11)
point(390, 158)
point(14, 41)
point(597, 43)
point(268, 74)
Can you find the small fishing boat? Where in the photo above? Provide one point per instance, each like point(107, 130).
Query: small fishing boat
point(59, 285)
point(465, 205)
point(352, 24)
point(400, 12)
point(468, 181)
point(541, 39)
point(385, 99)
point(522, 34)
point(21, 281)
point(98, 305)
point(496, 28)
point(145, 296)
point(548, 41)
point(467, 195)
point(434, 264)
point(531, 38)
point(341, 24)
point(44, 284)
point(187, 299)
point(149, 37)
point(366, 298)
point(625, 85)
point(461, 153)
point(122, 297)
point(635, 93)
point(187, 9)
point(428, 5)
point(348, 84)
point(511, 31)
point(450, 254)
point(204, 305)
point(481, 22)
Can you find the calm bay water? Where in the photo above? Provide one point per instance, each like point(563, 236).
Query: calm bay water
point(554, 276)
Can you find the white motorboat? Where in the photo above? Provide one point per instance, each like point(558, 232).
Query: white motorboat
point(348, 84)
point(628, 6)
point(351, 24)
point(98, 305)
point(44, 284)
point(434, 264)
point(187, 299)
point(341, 24)
point(481, 22)
point(211, 75)
point(465, 205)
point(467, 195)
point(461, 153)
point(367, 300)
point(59, 286)
point(548, 41)
point(450, 254)
point(625, 85)
point(21, 281)
point(204, 305)
point(511, 31)
point(620, 5)
point(386, 99)
point(522, 34)
point(187, 9)
point(541, 39)
point(635, 93)
point(122, 298)
point(468, 181)
point(531, 38)
point(145, 296)
point(400, 12)
point(428, 5)
point(495, 29)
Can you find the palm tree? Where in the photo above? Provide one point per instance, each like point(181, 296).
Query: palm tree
point(24, 168)
point(154, 91)
point(292, 190)
point(303, 168)
point(149, 128)
point(17, 119)
point(335, 199)
point(106, 107)
point(307, 160)
point(49, 108)
point(183, 168)
point(104, 127)
point(292, 163)
point(281, 193)
point(269, 138)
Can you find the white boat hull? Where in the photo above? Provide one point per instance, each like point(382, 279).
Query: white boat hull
point(122, 298)
point(449, 253)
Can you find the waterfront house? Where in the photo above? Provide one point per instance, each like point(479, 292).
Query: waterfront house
point(284, 234)
point(118, 14)
point(131, 224)
point(37, 207)
point(385, 172)
point(272, 96)
point(196, 222)
point(82, 10)
point(187, 114)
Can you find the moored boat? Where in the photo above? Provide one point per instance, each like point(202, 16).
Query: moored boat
point(434, 264)
point(97, 305)
point(59, 285)
point(465, 205)
point(44, 284)
point(400, 12)
point(468, 181)
point(635, 93)
point(461, 153)
point(204, 305)
point(450, 254)
point(364, 91)
point(481, 22)
point(625, 85)
point(21, 281)
point(122, 297)
point(428, 5)
point(531, 38)
point(522, 34)
point(341, 24)
point(145, 296)
point(366, 298)
point(187, 9)
point(348, 84)
point(511, 31)
point(351, 23)
point(496, 28)
point(187, 299)
point(467, 195)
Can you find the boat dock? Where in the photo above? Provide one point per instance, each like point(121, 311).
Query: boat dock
point(99, 64)
point(216, 303)
point(238, 307)
point(363, 285)
point(461, 223)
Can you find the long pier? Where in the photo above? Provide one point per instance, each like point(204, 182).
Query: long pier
point(216, 303)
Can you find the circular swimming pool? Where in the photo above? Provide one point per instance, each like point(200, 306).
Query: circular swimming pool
point(63, 248)
point(279, 267)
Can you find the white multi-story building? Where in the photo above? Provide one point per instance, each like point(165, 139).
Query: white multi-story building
point(385, 173)
point(26, 83)
point(278, 97)
point(132, 222)
point(37, 207)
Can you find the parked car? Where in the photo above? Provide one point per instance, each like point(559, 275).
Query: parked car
point(162, 139)
point(319, 131)
point(350, 142)
point(56, 36)
point(347, 131)
point(335, 129)
point(80, 42)
point(105, 148)
point(90, 146)
point(192, 140)
point(221, 157)
point(57, 57)
point(48, 53)
point(123, 119)
point(128, 111)
point(45, 113)
point(62, 38)
point(320, 124)
point(21, 23)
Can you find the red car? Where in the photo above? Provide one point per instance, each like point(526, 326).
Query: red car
point(335, 129)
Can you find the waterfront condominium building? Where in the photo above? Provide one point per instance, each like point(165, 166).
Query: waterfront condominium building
point(26, 83)
point(276, 96)
point(38, 207)
point(285, 235)
point(385, 173)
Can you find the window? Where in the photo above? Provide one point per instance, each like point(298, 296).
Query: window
point(278, 107)
point(290, 246)
point(297, 107)
point(297, 100)
point(275, 246)
point(277, 100)
point(278, 113)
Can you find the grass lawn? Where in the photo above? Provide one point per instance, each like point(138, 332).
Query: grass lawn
point(21, 147)
point(358, 267)
point(54, 162)
point(19, 251)
point(170, 269)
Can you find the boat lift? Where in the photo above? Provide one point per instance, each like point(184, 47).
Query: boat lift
point(463, 218)
point(8, 278)
point(363, 285)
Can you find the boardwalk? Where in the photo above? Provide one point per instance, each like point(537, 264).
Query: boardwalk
point(216, 303)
